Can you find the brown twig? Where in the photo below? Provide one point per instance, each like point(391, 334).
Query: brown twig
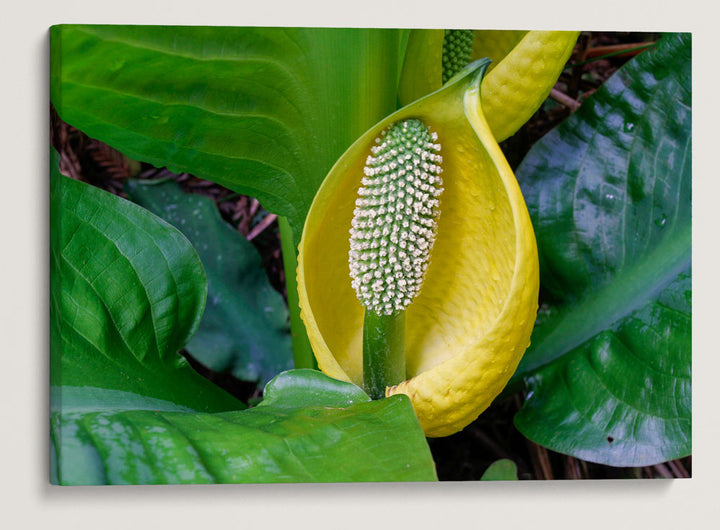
point(540, 461)
point(617, 50)
point(242, 215)
point(254, 207)
point(240, 206)
point(564, 99)
point(663, 471)
point(678, 469)
point(262, 225)
point(572, 468)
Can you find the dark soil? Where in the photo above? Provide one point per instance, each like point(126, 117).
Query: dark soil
point(467, 454)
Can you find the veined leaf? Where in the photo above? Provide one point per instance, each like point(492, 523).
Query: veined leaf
point(334, 433)
point(263, 111)
point(244, 329)
point(609, 193)
point(127, 291)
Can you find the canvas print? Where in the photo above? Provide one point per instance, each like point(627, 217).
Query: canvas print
point(368, 255)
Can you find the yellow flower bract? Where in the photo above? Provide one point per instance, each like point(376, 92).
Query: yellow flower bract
point(525, 67)
point(470, 324)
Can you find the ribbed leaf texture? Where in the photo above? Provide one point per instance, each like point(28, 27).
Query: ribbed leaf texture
point(609, 193)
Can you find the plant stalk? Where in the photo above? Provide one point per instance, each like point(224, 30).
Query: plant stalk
point(383, 352)
point(302, 351)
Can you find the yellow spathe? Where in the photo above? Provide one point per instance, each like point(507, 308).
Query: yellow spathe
point(525, 68)
point(470, 325)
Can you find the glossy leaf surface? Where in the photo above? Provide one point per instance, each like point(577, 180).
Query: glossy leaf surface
point(333, 433)
point(127, 292)
point(263, 111)
point(609, 193)
point(244, 329)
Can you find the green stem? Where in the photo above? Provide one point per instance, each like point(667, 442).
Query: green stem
point(383, 352)
point(302, 351)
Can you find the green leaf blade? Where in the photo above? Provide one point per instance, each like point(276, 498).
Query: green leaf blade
point(127, 292)
point(609, 193)
point(244, 329)
point(127, 409)
point(621, 174)
point(334, 434)
point(262, 111)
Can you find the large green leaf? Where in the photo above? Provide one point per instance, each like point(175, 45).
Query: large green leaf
point(263, 111)
point(609, 193)
point(244, 329)
point(127, 291)
point(309, 428)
